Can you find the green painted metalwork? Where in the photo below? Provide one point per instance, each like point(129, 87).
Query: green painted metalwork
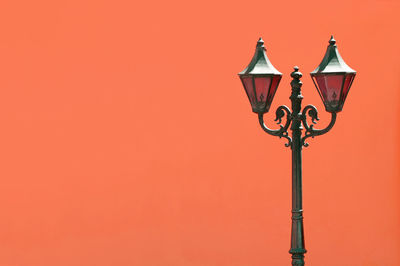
point(297, 121)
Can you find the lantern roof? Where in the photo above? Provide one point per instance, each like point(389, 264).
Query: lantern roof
point(260, 64)
point(332, 62)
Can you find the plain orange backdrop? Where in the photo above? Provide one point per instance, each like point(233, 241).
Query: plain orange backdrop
point(126, 137)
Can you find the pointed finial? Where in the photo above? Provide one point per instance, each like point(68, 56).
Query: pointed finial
point(260, 43)
point(332, 41)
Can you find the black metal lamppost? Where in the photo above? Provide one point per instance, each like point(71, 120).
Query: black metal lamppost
point(333, 79)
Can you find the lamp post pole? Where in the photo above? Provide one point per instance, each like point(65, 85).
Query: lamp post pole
point(333, 79)
point(297, 248)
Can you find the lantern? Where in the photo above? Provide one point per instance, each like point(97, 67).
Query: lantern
point(333, 79)
point(260, 80)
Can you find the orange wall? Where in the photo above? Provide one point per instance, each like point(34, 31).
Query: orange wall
point(126, 137)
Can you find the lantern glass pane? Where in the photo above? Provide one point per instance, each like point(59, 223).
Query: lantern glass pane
point(248, 86)
point(347, 84)
point(330, 87)
point(262, 87)
point(274, 87)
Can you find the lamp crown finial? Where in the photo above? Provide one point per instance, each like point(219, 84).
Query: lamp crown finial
point(332, 41)
point(260, 44)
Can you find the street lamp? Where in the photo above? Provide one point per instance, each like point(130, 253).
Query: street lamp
point(333, 79)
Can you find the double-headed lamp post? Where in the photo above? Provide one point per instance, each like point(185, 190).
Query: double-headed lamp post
point(333, 79)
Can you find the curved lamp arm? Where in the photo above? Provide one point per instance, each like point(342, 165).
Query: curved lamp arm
point(282, 131)
point(310, 131)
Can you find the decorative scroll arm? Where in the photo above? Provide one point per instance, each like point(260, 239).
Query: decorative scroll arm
point(282, 131)
point(310, 131)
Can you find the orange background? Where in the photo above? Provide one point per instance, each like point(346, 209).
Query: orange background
point(126, 137)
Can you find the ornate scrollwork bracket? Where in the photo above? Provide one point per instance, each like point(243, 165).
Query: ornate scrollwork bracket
point(282, 131)
point(311, 111)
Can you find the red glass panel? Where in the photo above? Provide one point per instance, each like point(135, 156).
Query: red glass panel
point(248, 86)
point(330, 87)
point(346, 87)
point(262, 87)
point(274, 87)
